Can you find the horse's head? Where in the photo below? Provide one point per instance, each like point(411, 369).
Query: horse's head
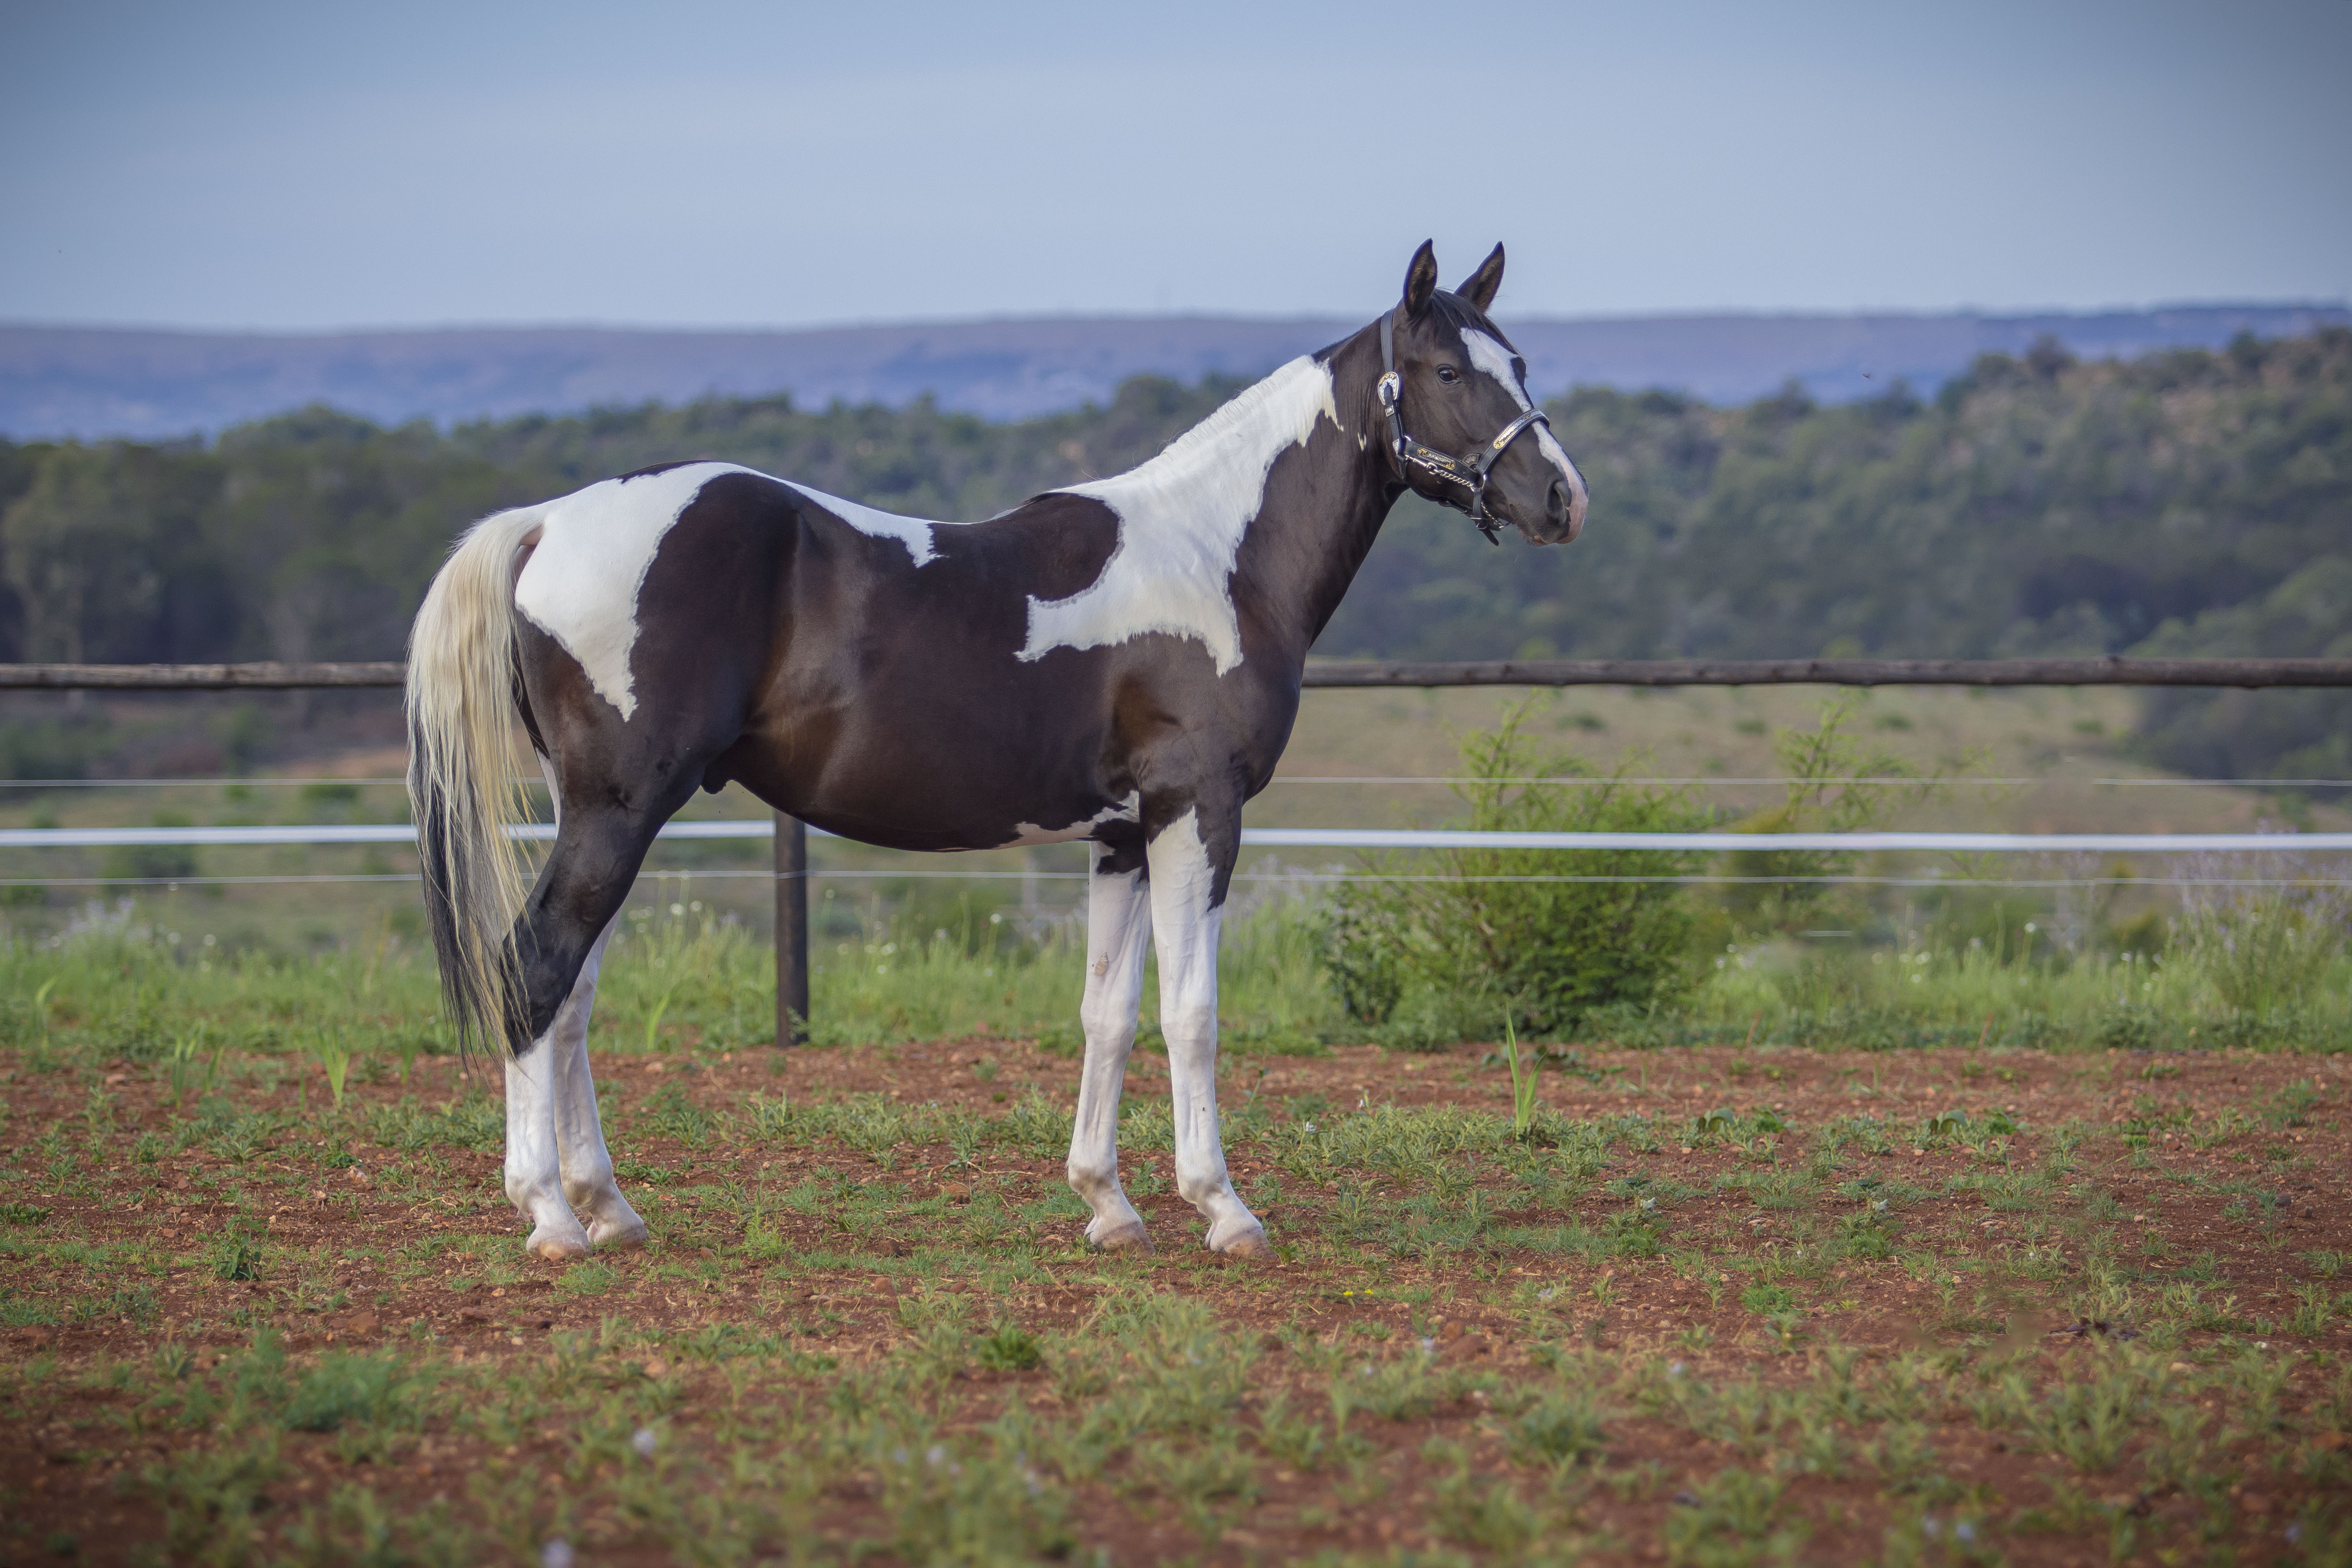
point(1464, 429)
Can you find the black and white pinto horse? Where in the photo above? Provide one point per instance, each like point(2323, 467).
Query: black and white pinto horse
point(1117, 662)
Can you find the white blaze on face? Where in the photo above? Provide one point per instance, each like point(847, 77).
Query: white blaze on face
point(581, 585)
point(1180, 521)
point(1496, 361)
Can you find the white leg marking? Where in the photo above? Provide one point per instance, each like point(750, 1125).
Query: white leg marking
point(556, 1070)
point(1118, 929)
point(533, 1175)
point(1186, 929)
point(587, 1166)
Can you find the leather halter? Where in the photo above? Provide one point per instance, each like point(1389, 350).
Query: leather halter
point(1468, 473)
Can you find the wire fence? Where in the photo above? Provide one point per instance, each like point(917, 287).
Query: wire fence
point(2198, 861)
point(1290, 838)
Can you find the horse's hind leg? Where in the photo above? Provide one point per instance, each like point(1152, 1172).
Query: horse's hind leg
point(534, 1171)
point(586, 1164)
point(552, 1082)
point(1119, 933)
point(555, 1148)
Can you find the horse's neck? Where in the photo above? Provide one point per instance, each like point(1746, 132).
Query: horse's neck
point(1274, 498)
point(1326, 504)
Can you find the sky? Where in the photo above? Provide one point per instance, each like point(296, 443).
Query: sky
point(301, 167)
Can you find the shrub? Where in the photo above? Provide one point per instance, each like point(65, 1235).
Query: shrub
point(1544, 951)
point(2262, 948)
point(236, 1255)
point(1835, 786)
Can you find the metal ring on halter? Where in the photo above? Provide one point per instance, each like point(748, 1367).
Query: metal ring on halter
point(1471, 473)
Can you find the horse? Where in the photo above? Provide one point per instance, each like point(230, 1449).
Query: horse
point(1118, 661)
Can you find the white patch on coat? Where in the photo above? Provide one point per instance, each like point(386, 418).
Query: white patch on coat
point(1498, 362)
point(1027, 833)
point(914, 532)
point(595, 546)
point(1180, 521)
point(581, 585)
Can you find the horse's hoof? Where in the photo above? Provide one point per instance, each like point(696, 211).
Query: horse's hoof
point(558, 1246)
point(1129, 1237)
point(617, 1235)
point(1249, 1243)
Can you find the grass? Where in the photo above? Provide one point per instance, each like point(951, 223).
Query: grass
point(695, 982)
point(1706, 1303)
point(1938, 1245)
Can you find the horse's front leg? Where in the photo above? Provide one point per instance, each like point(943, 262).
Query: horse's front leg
point(1118, 930)
point(1187, 912)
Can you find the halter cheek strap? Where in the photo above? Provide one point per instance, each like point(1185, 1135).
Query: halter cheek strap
point(1468, 473)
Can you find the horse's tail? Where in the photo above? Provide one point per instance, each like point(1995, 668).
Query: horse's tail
point(466, 767)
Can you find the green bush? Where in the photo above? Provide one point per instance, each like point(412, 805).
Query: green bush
point(1545, 949)
point(2262, 949)
point(1835, 786)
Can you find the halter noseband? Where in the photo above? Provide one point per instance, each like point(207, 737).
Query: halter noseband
point(1469, 473)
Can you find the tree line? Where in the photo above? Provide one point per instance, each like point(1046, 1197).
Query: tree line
point(2187, 501)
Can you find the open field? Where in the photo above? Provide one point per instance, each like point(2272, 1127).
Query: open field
point(2063, 742)
point(1715, 1306)
point(1896, 1243)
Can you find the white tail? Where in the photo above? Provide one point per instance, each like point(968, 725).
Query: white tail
point(466, 764)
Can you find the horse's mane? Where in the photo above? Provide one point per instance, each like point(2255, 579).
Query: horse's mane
point(1463, 316)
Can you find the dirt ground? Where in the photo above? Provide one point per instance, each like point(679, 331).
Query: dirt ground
point(2197, 1201)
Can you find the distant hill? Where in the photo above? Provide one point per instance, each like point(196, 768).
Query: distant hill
point(94, 381)
point(2186, 501)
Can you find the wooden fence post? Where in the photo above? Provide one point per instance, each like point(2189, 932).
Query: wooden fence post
point(791, 931)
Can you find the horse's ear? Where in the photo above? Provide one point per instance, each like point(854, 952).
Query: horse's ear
point(1421, 279)
point(1480, 285)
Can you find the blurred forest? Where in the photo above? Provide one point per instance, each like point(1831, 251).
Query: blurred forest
point(2184, 502)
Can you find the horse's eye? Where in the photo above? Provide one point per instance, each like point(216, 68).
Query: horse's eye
point(1445, 374)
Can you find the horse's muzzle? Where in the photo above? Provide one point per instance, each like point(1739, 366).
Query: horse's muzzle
point(1563, 513)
